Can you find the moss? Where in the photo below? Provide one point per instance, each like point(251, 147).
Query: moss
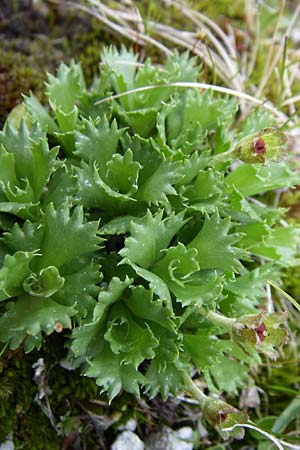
point(17, 75)
point(19, 413)
point(36, 41)
point(83, 418)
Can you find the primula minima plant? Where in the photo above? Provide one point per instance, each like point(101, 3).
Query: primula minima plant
point(126, 225)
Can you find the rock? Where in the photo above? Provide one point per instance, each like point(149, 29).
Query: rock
point(130, 425)
point(127, 441)
point(168, 439)
point(8, 444)
point(185, 433)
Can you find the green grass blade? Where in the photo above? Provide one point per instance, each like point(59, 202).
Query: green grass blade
point(287, 296)
point(289, 414)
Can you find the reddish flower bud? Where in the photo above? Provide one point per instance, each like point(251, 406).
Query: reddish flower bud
point(221, 415)
point(260, 147)
point(261, 332)
point(269, 144)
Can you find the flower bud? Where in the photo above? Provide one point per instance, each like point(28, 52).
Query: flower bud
point(221, 415)
point(269, 144)
point(261, 332)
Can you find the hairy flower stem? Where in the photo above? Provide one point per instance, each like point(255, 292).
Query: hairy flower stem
point(232, 153)
point(216, 412)
point(194, 390)
point(226, 323)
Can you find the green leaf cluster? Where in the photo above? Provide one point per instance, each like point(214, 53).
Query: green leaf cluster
point(119, 225)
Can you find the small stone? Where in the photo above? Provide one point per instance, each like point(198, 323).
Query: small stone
point(130, 425)
point(168, 439)
point(8, 444)
point(127, 441)
point(185, 433)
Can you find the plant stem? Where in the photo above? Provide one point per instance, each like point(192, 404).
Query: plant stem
point(218, 319)
point(194, 390)
point(225, 156)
